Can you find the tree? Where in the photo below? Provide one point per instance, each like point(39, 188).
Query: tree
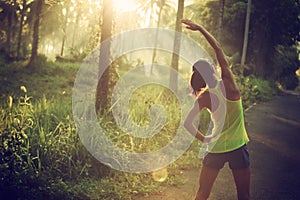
point(221, 14)
point(204, 12)
point(147, 8)
point(245, 43)
point(76, 25)
point(66, 9)
point(102, 100)
point(160, 4)
point(175, 58)
point(273, 23)
point(35, 35)
point(8, 17)
point(21, 24)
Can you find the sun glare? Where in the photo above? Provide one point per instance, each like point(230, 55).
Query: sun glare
point(160, 175)
point(125, 5)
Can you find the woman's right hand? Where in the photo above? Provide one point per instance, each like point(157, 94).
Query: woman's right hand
point(207, 139)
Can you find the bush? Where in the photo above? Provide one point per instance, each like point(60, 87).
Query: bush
point(286, 62)
point(289, 80)
point(39, 146)
point(255, 89)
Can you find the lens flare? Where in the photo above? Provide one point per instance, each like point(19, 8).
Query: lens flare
point(94, 136)
point(298, 72)
point(160, 175)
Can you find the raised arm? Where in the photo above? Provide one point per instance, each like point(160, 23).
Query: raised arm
point(221, 57)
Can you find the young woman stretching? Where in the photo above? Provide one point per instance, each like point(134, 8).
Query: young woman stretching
point(228, 138)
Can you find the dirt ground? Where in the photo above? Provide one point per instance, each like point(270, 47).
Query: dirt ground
point(274, 131)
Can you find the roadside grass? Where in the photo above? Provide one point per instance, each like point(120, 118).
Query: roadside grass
point(40, 148)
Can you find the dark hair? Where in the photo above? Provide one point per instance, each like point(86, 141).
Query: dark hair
point(200, 68)
point(197, 82)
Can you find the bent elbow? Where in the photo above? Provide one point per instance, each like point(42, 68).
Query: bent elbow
point(187, 124)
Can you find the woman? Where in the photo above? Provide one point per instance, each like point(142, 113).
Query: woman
point(228, 138)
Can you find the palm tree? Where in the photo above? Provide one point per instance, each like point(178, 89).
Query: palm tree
point(175, 58)
point(160, 4)
point(147, 7)
point(155, 8)
point(102, 100)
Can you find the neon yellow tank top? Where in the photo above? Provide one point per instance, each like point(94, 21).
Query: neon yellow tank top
point(230, 130)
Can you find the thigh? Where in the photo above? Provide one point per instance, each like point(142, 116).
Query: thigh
point(239, 158)
point(215, 160)
point(207, 178)
point(242, 182)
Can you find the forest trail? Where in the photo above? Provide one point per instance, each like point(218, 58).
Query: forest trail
point(274, 131)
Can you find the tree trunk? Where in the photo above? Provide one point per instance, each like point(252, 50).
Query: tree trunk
point(175, 58)
point(102, 101)
point(24, 7)
point(35, 35)
point(245, 44)
point(156, 35)
point(9, 30)
point(76, 28)
point(221, 14)
point(64, 33)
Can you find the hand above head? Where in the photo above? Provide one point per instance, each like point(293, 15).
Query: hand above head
point(190, 25)
point(220, 55)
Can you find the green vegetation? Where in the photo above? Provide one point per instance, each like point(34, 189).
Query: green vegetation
point(255, 89)
point(42, 155)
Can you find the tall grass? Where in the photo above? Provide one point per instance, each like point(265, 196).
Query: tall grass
point(40, 148)
point(39, 142)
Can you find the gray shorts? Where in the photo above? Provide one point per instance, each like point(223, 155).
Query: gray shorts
point(237, 159)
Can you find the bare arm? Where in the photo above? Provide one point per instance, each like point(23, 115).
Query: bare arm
point(221, 57)
point(188, 123)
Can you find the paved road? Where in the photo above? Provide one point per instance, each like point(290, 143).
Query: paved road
point(274, 130)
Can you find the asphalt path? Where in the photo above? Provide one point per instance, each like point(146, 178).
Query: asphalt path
point(274, 147)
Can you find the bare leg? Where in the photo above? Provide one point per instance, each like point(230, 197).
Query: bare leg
point(242, 182)
point(207, 179)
